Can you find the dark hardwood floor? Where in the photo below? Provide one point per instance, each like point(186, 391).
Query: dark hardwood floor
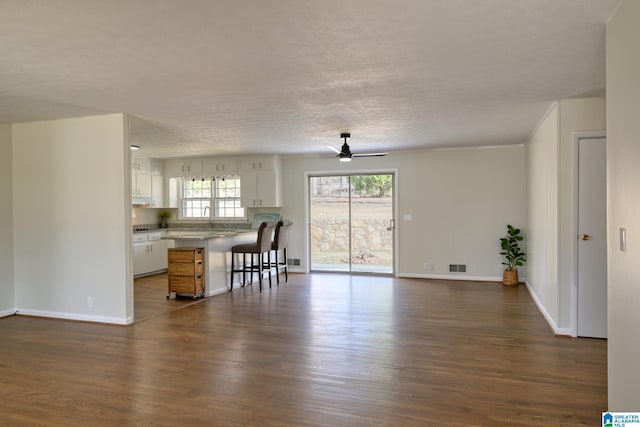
point(150, 298)
point(321, 350)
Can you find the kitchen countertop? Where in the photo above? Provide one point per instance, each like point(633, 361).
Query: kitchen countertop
point(202, 234)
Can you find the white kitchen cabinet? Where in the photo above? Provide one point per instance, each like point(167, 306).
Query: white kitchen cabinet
point(175, 168)
point(260, 163)
point(141, 185)
point(261, 189)
point(141, 258)
point(149, 253)
point(157, 167)
point(157, 191)
point(140, 177)
point(158, 251)
point(140, 165)
point(220, 166)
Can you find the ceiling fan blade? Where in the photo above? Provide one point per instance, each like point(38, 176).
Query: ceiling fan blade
point(334, 149)
point(370, 155)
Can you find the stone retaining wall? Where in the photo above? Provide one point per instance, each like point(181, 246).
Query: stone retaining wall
point(334, 235)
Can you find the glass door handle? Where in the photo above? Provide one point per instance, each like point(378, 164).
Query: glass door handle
point(392, 225)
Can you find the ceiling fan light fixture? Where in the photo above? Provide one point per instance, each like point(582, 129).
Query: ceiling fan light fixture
point(345, 154)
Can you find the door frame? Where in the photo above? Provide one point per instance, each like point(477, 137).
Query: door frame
point(307, 213)
point(575, 149)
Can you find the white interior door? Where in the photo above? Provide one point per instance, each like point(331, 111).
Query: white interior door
point(592, 238)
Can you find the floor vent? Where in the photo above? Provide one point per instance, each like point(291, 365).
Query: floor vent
point(457, 268)
point(293, 261)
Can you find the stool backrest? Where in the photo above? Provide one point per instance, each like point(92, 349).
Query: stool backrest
point(281, 238)
point(264, 236)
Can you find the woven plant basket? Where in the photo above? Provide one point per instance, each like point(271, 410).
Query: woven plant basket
point(510, 278)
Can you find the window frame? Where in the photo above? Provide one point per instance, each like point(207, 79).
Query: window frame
point(213, 200)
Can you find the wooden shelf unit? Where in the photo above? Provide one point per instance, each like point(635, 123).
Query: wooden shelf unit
point(186, 271)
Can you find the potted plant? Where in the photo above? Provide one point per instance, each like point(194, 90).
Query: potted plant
point(164, 216)
point(514, 258)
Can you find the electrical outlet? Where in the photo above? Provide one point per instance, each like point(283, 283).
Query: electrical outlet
point(428, 266)
point(90, 302)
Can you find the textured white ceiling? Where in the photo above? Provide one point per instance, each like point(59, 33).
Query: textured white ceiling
point(287, 76)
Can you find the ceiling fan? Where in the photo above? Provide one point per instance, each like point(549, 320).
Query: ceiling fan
point(345, 153)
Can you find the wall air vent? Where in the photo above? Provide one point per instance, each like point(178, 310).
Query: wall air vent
point(457, 268)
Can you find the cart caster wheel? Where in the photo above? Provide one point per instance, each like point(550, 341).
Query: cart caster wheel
point(168, 296)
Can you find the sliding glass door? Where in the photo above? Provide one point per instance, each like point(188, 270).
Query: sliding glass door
point(351, 223)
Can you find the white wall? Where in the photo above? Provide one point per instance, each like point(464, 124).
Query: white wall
point(7, 295)
point(72, 218)
point(550, 205)
point(460, 200)
point(582, 114)
point(542, 214)
point(623, 156)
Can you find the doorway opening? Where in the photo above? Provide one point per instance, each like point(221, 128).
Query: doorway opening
point(351, 223)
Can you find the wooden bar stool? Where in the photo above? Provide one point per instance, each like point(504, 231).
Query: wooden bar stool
point(262, 246)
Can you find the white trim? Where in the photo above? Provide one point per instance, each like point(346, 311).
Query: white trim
point(219, 291)
point(129, 294)
point(545, 313)
point(307, 224)
point(8, 312)
point(396, 221)
point(74, 316)
point(573, 223)
point(451, 277)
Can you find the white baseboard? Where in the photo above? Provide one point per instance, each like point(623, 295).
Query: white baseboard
point(452, 277)
point(547, 317)
point(75, 316)
point(218, 291)
point(8, 312)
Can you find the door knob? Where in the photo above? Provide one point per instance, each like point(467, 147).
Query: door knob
point(585, 237)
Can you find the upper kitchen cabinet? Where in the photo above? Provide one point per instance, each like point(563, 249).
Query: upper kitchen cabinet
point(189, 167)
point(141, 185)
point(262, 186)
point(140, 178)
point(220, 166)
point(139, 165)
point(157, 167)
point(147, 182)
point(157, 183)
point(259, 163)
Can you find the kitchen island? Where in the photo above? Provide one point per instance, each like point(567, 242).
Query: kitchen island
point(217, 245)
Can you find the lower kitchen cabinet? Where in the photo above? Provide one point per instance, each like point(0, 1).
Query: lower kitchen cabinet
point(149, 254)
